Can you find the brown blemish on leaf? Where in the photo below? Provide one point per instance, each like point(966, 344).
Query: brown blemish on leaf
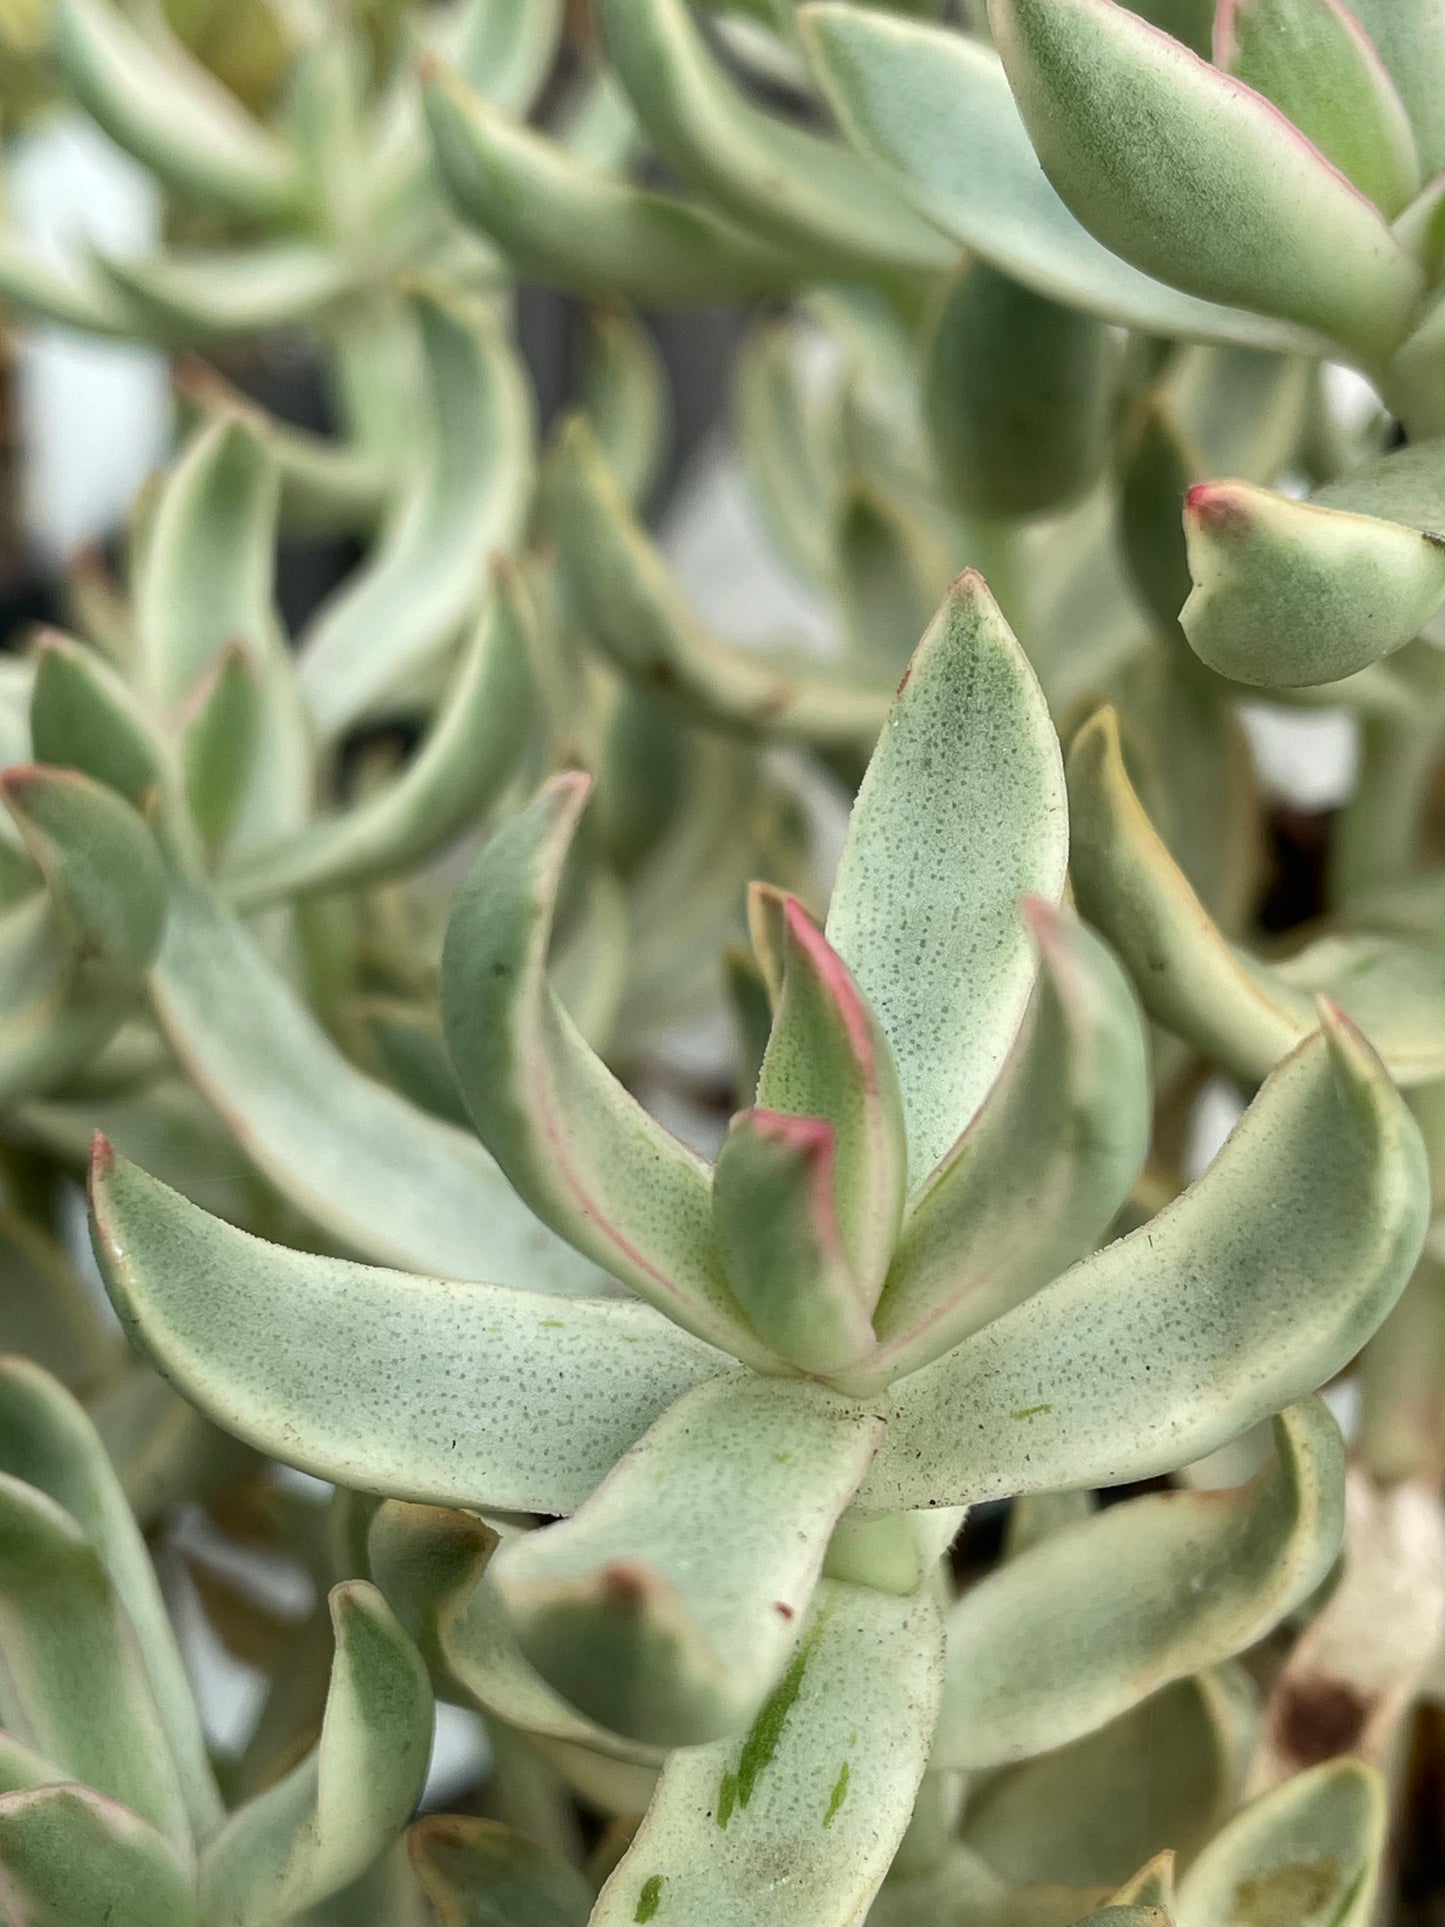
point(1319, 1719)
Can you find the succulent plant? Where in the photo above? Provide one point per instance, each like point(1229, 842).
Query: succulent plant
point(681, 1466)
point(863, 1317)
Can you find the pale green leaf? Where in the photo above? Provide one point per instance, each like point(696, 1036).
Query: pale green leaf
point(1309, 1852)
point(84, 716)
point(1253, 1288)
point(961, 814)
point(630, 606)
point(74, 1686)
point(71, 1858)
point(1244, 1014)
point(1163, 1775)
point(775, 1205)
point(205, 294)
point(1193, 177)
point(31, 283)
point(47, 1440)
point(337, 1367)
point(1291, 593)
point(625, 396)
point(1019, 395)
point(567, 221)
point(1410, 37)
point(1039, 1174)
point(333, 1814)
point(803, 192)
point(72, 955)
point(48, 1311)
point(478, 735)
point(573, 1141)
point(1319, 67)
point(827, 1058)
point(889, 572)
point(203, 584)
point(160, 104)
point(666, 1607)
point(785, 438)
point(479, 1873)
point(800, 1819)
point(465, 503)
point(392, 1182)
point(220, 741)
point(933, 106)
point(1085, 1625)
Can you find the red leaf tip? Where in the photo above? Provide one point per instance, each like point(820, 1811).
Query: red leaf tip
point(1215, 505)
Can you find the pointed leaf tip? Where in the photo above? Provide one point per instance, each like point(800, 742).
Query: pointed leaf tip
point(575, 1144)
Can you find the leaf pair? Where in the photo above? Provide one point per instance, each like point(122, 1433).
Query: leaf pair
point(1243, 1013)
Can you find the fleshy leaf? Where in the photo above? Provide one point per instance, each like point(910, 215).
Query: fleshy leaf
point(203, 586)
point(1319, 67)
point(1410, 37)
point(630, 606)
point(828, 1058)
point(808, 194)
point(785, 439)
point(195, 295)
point(333, 1814)
point(1019, 396)
point(431, 1563)
point(572, 225)
point(1284, 1258)
point(775, 1211)
point(48, 1311)
point(464, 504)
point(392, 1182)
point(961, 814)
point(1087, 1624)
point(934, 107)
point(626, 398)
point(479, 1873)
point(1038, 1176)
point(1311, 1850)
point(800, 1819)
point(1167, 1771)
point(577, 1146)
point(72, 957)
point(1149, 146)
point(71, 1858)
point(47, 1441)
point(665, 1609)
point(160, 104)
point(205, 573)
point(1246, 1015)
point(101, 867)
point(84, 717)
point(335, 1366)
point(1289, 593)
point(74, 1686)
point(476, 739)
point(219, 742)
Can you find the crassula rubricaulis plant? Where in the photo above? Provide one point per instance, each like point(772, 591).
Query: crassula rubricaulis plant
point(870, 1312)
